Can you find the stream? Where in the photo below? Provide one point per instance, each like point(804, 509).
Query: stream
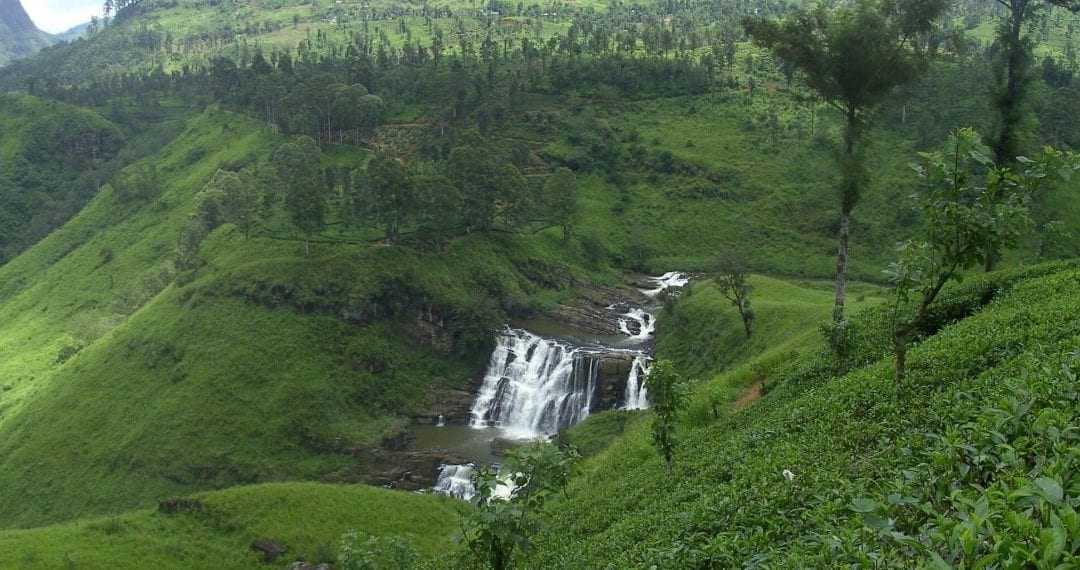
point(546, 379)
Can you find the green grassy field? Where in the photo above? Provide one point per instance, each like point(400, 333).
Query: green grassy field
point(308, 519)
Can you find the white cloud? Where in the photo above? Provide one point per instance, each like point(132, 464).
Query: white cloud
point(56, 16)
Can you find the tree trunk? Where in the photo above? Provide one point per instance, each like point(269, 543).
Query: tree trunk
point(1009, 103)
point(849, 196)
point(841, 268)
point(900, 342)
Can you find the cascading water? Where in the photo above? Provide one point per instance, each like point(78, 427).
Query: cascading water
point(644, 322)
point(637, 395)
point(535, 386)
point(456, 481)
point(669, 280)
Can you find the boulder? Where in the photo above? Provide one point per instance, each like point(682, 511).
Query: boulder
point(270, 549)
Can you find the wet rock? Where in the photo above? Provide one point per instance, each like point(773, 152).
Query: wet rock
point(269, 549)
point(301, 565)
point(612, 372)
point(397, 442)
point(453, 404)
point(405, 470)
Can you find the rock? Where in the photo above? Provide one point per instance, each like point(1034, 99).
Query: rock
point(399, 441)
point(612, 372)
point(406, 470)
point(270, 549)
point(453, 404)
point(301, 565)
point(174, 506)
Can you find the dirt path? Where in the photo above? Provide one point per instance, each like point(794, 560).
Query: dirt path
point(749, 396)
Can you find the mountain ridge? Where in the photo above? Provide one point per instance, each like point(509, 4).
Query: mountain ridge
point(19, 36)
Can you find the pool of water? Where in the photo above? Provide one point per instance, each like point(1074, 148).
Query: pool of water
point(472, 444)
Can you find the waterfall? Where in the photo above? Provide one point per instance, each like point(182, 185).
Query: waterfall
point(637, 395)
point(456, 481)
point(646, 324)
point(535, 386)
point(670, 280)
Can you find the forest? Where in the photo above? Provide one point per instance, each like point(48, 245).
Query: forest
point(392, 284)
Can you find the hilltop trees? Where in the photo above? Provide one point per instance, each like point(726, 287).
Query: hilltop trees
point(853, 56)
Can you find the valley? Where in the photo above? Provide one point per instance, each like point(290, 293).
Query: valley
point(331, 285)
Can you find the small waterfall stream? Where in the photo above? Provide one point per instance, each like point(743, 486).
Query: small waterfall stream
point(456, 481)
point(637, 396)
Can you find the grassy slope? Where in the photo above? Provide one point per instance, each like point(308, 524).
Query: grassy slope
point(247, 372)
point(859, 436)
point(307, 518)
point(74, 142)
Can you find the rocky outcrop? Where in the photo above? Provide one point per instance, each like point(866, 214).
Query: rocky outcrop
point(408, 470)
point(591, 312)
point(611, 376)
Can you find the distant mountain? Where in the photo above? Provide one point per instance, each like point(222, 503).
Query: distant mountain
point(19, 37)
point(74, 33)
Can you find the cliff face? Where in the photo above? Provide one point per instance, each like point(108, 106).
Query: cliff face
point(19, 37)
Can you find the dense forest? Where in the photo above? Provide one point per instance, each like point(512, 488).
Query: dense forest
point(667, 284)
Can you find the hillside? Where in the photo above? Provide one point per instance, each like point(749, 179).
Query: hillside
point(970, 459)
point(80, 148)
point(19, 37)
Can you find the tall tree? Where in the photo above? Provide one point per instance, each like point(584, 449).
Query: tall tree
point(561, 195)
point(730, 276)
point(667, 395)
point(385, 195)
point(1014, 40)
point(853, 56)
point(297, 164)
point(1016, 49)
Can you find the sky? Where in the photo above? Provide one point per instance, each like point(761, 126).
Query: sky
point(56, 16)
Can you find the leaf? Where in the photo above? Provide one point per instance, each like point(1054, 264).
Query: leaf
point(1051, 490)
point(937, 563)
point(864, 505)
point(1053, 543)
point(877, 522)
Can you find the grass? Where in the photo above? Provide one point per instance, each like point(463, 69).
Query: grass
point(307, 518)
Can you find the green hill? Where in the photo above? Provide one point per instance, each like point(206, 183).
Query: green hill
point(971, 459)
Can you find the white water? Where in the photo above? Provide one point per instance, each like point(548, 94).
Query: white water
point(646, 324)
point(637, 394)
point(535, 386)
point(456, 481)
point(669, 280)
